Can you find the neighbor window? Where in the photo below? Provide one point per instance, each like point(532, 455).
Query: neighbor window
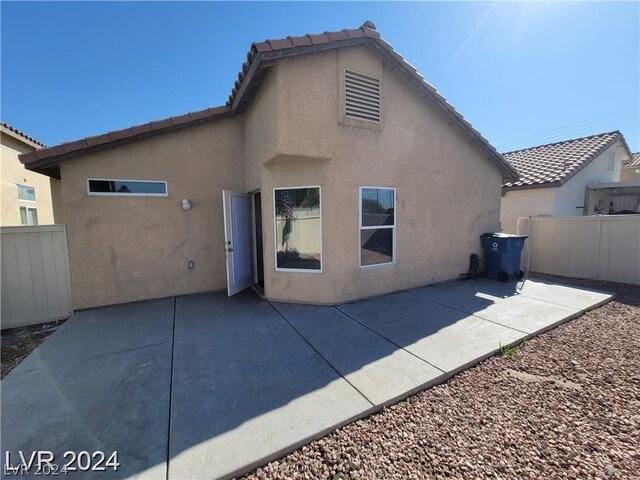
point(142, 188)
point(377, 226)
point(298, 226)
point(25, 192)
point(28, 216)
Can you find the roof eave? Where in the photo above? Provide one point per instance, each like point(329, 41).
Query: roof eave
point(50, 165)
point(20, 138)
point(554, 184)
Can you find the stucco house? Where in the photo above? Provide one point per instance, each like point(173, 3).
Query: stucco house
point(334, 172)
point(27, 197)
point(631, 170)
point(568, 178)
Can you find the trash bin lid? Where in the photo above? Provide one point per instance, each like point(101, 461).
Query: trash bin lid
point(503, 235)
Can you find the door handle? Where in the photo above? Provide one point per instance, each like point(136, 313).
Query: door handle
point(229, 250)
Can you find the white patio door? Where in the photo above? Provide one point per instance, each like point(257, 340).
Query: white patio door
point(238, 241)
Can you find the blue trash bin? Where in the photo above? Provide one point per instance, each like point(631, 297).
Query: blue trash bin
point(502, 255)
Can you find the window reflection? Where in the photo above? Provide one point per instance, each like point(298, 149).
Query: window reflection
point(298, 228)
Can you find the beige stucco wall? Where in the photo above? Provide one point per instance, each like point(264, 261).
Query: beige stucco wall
point(12, 172)
point(124, 249)
point(630, 174)
point(533, 202)
point(447, 192)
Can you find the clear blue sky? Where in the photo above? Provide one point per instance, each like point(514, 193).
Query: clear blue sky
point(522, 73)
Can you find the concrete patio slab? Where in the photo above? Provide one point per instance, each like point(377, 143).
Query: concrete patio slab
point(580, 298)
point(80, 391)
point(105, 331)
point(247, 387)
point(575, 297)
point(445, 337)
point(207, 386)
point(510, 311)
point(380, 370)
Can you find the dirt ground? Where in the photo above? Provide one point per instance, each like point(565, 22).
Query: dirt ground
point(563, 405)
point(17, 343)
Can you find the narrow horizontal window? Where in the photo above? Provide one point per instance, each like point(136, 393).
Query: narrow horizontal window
point(377, 226)
point(148, 188)
point(28, 216)
point(298, 229)
point(27, 193)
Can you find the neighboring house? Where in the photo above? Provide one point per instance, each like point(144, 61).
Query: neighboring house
point(631, 170)
point(555, 179)
point(28, 198)
point(353, 177)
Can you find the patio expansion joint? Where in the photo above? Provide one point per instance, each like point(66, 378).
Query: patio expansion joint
point(387, 339)
point(87, 359)
point(173, 349)
point(320, 355)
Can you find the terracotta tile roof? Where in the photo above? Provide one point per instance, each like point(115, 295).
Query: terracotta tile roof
point(555, 163)
point(260, 58)
point(118, 137)
point(14, 132)
point(635, 161)
point(290, 42)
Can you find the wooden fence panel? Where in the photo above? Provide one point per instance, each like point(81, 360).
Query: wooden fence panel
point(36, 285)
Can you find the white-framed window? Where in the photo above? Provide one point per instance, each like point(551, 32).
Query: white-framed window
point(127, 188)
point(298, 229)
point(28, 216)
point(377, 212)
point(26, 193)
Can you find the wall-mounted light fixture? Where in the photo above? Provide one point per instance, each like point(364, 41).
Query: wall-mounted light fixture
point(186, 204)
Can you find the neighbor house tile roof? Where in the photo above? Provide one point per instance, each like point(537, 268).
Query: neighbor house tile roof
point(20, 135)
point(553, 164)
point(635, 161)
point(260, 58)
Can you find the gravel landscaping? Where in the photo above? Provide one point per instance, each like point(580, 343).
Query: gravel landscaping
point(565, 404)
point(17, 343)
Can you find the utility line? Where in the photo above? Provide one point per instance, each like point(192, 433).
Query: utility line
point(622, 112)
point(631, 124)
point(611, 118)
point(599, 127)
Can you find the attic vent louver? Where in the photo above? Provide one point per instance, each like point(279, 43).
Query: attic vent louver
point(611, 160)
point(362, 96)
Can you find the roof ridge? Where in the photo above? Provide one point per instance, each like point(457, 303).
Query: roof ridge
point(563, 141)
